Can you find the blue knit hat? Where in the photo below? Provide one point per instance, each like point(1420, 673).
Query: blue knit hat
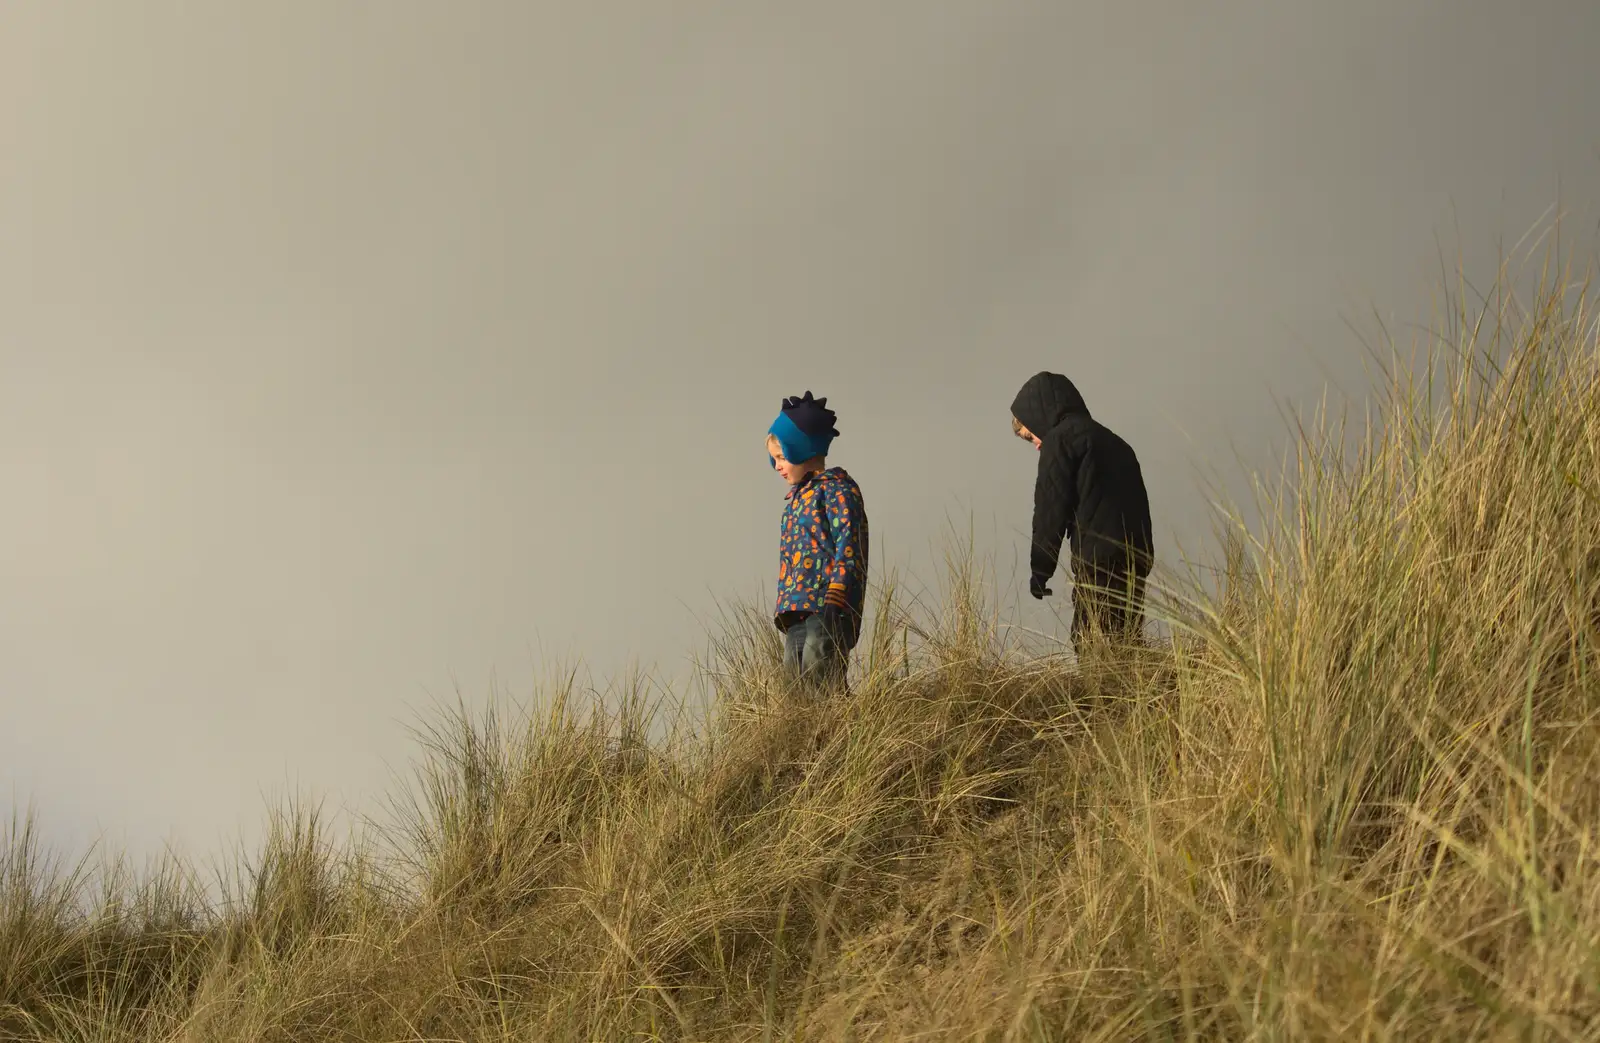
point(804, 429)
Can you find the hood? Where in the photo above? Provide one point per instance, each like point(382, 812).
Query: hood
point(1046, 400)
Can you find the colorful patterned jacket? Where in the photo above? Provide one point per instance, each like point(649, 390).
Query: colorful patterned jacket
point(823, 550)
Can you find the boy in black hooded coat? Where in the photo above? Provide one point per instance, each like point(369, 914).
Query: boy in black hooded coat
point(1089, 490)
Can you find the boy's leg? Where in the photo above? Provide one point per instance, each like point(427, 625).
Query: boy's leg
point(822, 661)
point(794, 642)
point(1108, 599)
point(1088, 601)
point(1088, 612)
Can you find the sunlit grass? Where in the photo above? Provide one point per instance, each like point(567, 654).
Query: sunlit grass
point(1353, 798)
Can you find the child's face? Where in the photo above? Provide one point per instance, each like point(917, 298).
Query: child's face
point(790, 472)
point(1028, 436)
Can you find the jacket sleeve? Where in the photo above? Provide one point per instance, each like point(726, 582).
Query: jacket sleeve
point(846, 573)
point(1055, 504)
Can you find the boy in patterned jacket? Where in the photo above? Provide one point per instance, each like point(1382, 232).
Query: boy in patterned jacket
point(822, 562)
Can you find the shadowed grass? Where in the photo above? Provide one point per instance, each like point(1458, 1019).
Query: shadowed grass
point(1353, 798)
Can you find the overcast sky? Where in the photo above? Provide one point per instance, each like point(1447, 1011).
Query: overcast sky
point(351, 351)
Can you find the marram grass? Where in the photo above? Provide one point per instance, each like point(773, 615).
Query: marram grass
point(1354, 797)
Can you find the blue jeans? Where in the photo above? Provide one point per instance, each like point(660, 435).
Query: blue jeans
point(811, 655)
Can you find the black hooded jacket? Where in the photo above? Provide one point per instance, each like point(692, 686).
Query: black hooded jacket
point(1089, 487)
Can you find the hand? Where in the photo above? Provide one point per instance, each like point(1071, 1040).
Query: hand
point(1036, 587)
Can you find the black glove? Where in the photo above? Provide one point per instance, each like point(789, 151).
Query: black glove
point(1036, 587)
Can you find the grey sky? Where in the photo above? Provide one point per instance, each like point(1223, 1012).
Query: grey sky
point(351, 347)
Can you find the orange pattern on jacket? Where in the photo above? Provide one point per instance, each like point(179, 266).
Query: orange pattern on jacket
point(822, 557)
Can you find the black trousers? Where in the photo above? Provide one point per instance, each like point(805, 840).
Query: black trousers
point(1109, 597)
